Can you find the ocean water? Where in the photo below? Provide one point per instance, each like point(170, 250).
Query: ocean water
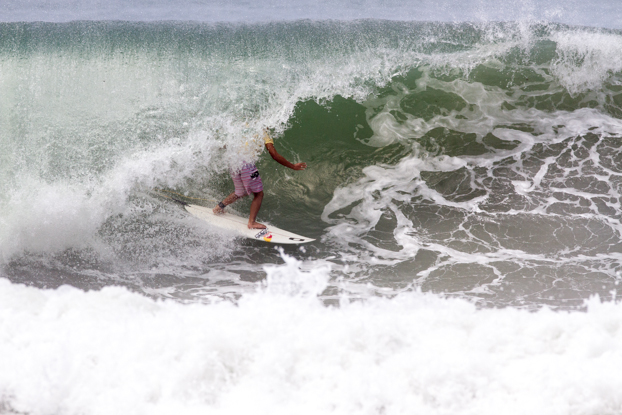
point(464, 187)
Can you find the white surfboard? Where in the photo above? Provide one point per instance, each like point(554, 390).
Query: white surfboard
point(238, 224)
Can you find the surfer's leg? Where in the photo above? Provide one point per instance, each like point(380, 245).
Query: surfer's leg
point(255, 205)
point(226, 202)
point(240, 192)
point(252, 184)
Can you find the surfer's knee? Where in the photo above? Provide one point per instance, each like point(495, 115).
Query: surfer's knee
point(258, 194)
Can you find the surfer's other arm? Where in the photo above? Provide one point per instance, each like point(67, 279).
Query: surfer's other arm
point(282, 160)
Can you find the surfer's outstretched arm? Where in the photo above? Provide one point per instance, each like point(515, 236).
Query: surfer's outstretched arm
point(282, 160)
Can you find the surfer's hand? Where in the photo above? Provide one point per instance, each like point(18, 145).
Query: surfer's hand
point(300, 166)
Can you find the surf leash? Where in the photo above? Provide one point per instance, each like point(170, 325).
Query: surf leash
point(162, 192)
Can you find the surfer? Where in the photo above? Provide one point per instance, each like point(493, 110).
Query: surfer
point(247, 180)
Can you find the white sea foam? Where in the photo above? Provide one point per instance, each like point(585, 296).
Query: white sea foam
point(586, 60)
point(280, 351)
point(557, 212)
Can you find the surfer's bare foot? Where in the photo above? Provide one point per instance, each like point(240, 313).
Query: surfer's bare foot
point(218, 210)
point(255, 225)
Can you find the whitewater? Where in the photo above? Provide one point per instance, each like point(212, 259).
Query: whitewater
point(279, 351)
point(464, 187)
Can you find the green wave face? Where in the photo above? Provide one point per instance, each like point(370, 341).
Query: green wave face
point(478, 160)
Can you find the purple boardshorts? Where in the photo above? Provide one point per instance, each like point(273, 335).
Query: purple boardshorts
point(247, 180)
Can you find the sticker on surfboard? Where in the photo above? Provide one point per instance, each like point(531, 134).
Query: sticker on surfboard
point(265, 234)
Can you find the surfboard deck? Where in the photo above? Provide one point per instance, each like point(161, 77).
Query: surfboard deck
point(239, 224)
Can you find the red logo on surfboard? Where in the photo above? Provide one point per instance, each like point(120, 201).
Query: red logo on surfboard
point(265, 234)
